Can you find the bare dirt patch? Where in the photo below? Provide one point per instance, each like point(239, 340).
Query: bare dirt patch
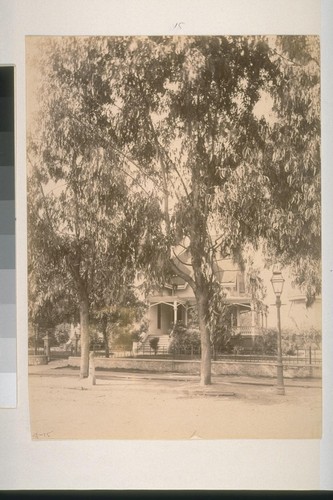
point(131, 408)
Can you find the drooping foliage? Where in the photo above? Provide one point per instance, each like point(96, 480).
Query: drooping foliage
point(156, 143)
point(86, 226)
point(293, 161)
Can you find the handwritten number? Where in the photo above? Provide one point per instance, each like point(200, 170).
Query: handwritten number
point(179, 25)
point(41, 435)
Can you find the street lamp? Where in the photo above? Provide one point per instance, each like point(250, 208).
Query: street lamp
point(277, 284)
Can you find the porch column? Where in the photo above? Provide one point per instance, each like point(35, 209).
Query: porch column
point(238, 321)
point(253, 319)
point(175, 305)
point(185, 316)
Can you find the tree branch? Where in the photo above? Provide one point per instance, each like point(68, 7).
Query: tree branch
point(180, 260)
point(294, 63)
point(182, 274)
point(53, 232)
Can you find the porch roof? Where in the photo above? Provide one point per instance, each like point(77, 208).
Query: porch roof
point(238, 300)
point(169, 299)
point(154, 300)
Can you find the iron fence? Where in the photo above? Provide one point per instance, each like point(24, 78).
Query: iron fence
point(54, 353)
point(307, 356)
point(298, 357)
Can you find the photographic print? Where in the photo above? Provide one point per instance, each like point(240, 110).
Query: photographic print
point(174, 237)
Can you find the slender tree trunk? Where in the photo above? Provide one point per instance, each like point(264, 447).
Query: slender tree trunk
point(84, 323)
point(205, 372)
point(36, 339)
point(106, 344)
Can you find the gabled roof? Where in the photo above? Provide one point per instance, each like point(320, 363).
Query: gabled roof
point(225, 270)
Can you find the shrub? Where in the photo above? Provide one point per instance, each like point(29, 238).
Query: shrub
point(154, 344)
point(295, 339)
point(184, 338)
point(61, 333)
point(266, 343)
point(223, 339)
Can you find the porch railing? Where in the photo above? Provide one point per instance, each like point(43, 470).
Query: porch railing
point(248, 330)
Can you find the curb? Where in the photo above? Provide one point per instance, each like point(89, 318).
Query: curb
point(106, 374)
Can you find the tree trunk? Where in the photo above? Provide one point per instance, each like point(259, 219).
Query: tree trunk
point(85, 340)
point(36, 339)
point(205, 373)
point(106, 345)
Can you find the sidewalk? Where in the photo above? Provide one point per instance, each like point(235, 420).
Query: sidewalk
point(60, 368)
point(127, 405)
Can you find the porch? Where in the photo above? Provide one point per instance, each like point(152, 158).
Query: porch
point(166, 311)
point(246, 318)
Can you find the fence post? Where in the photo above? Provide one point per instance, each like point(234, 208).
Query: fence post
point(47, 346)
point(92, 377)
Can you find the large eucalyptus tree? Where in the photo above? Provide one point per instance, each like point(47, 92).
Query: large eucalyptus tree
point(86, 215)
point(169, 131)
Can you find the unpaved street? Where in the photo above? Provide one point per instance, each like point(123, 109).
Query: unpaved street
point(131, 406)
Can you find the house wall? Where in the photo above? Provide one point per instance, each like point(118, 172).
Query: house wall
point(300, 317)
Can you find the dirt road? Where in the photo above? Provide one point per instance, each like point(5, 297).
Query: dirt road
point(130, 406)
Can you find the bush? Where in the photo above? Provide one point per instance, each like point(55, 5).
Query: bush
point(291, 341)
point(295, 339)
point(140, 330)
point(187, 339)
point(266, 344)
point(61, 333)
point(122, 339)
point(224, 341)
point(154, 344)
point(184, 338)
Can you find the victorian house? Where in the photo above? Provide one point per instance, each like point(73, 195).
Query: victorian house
point(174, 301)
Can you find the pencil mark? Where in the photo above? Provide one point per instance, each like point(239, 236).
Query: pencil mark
point(179, 25)
point(41, 435)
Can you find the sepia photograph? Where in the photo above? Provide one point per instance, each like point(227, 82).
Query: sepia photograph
point(174, 237)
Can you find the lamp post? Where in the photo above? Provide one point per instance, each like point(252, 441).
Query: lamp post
point(277, 284)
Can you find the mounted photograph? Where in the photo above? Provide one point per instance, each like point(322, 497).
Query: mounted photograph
point(174, 237)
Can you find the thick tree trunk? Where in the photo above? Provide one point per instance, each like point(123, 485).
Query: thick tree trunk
point(85, 341)
point(205, 373)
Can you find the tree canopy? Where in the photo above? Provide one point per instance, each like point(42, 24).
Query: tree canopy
point(293, 162)
point(85, 222)
point(155, 143)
